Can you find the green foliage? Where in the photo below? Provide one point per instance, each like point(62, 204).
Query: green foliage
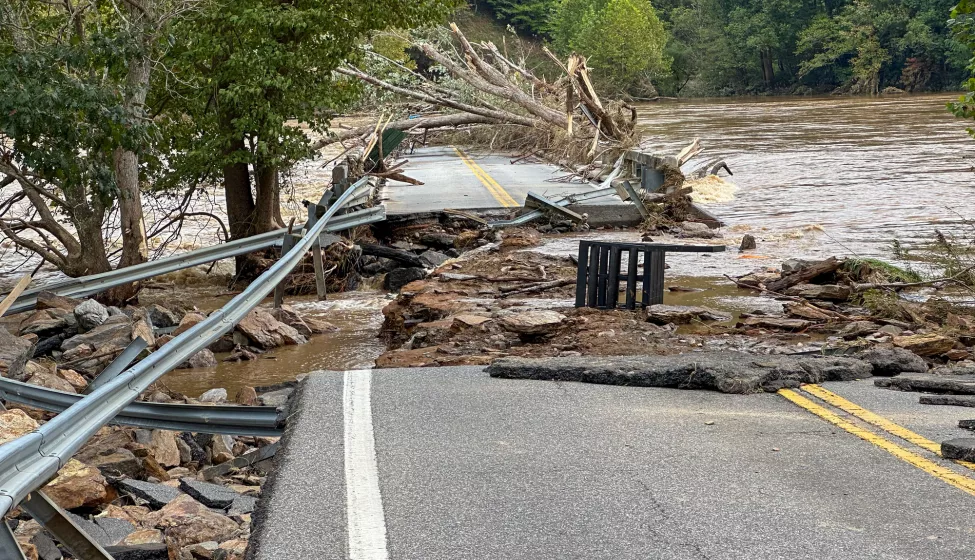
point(876, 270)
point(526, 16)
point(623, 40)
point(962, 24)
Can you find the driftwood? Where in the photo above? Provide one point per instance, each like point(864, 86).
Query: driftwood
point(949, 400)
point(398, 255)
point(804, 275)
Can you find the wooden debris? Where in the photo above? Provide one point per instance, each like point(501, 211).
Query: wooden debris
point(804, 275)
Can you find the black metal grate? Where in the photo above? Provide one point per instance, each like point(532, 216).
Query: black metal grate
point(599, 274)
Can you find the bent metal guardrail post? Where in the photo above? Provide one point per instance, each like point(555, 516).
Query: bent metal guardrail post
point(30, 461)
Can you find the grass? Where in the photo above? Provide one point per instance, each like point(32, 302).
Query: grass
point(875, 270)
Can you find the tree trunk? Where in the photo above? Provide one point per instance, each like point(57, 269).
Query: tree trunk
point(134, 247)
point(267, 213)
point(237, 189)
point(767, 70)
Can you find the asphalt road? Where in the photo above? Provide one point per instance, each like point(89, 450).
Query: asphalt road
point(459, 180)
point(450, 464)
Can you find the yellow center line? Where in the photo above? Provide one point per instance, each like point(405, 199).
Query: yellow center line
point(947, 475)
point(879, 421)
point(492, 186)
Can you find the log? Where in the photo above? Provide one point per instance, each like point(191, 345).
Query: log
point(541, 287)
point(398, 255)
point(949, 400)
point(434, 121)
point(804, 275)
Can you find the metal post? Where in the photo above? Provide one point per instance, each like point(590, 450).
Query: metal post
point(61, 527)
point(118, 365)
point(316, 254)
point(9, 547)
point(286, 245)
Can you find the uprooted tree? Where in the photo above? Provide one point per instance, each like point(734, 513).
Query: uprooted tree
point(500, 101)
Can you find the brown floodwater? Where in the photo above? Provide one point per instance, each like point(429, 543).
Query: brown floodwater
point(815, 177)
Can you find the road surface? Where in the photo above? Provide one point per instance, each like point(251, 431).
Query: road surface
point(448, 463)
point(459, 180)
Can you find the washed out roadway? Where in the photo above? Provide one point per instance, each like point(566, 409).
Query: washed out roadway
point(474, 467)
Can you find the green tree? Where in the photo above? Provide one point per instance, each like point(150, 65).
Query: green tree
point(962, 24)
point(527, 16)
point(248, 72)
point(623, 40)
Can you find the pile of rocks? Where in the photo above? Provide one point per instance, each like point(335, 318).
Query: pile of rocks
point(151, 494)
point(65, 342)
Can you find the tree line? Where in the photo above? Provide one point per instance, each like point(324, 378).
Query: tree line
point(740, 47)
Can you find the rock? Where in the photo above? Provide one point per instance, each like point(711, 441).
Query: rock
point(831, 292)
point(106, 531)
point(46, 346)
point(396, 279)
point(197, 453)
point(532, 323)
point(728, 372)
point(154, 469)
point(141, 329)
point(119, 462)
point(223, 344)
point(695, 230)
point(15, 423)
point(891, 90)
point(90, 314)
point(288, 316)
point(143, 536)
point(102, 337)
point(78, 485)
point(959, 449)
point(162, 444)
point(29, 550)
point(433, 259)
point(468, 320)
point(50, 300)
point(46, 548)
point(319, 326)
point(891, 330)
point(139, 552)
point(48, 322)
point(240, 355)
point(957, 355)
point(74, 378)
point(189, 321)
point(202, 359)
point(776, 323)
point(277, 398)
point(185, 454)
point(246, 396)
point(209, 494)
point(747, 243)
point(439, 240)
point(158, 495)
point(161, 317)
point(51, 381)
point(187, 521)
point(792, 265)
point(892, 361)
point(925, 344)
point(682, 314)
point(203, 551)
point(222, 447)
point(858, 329)
point(14, 353)
point(214, 396)
point(266, 332)
point(757, 279)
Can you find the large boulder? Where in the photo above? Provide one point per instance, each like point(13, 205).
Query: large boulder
point(537, 322)
point(78, 485)
point(433, 258)
point(696, 230)
point(305, 325)
point(888, 361)
point(202, 359)
point(162, 446)
point(832, 292)
point(161, 317)
point(15, 423)
point(90, 314)
point(48, 322)
point(682, 314)
point(396, 279)
point(188, 321)
point(115, 332)
point(264, 331)
point(51, 381)
point(931, 344)
point(118, 462)
point(186, 521)
point(14, 353)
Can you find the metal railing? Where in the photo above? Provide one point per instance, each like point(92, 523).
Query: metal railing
point(29, 462)
point(90, 285)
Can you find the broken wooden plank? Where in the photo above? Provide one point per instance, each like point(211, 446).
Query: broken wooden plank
point(537, 201)
point(15, 293)
point(804, 275)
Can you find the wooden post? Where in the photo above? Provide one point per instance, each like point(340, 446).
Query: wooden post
point(316, 253)
point(286, 245)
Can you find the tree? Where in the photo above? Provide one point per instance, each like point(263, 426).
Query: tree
point(248, 72)
point(623, 40)
point(73, 128)
point(527, 16)
point(962, 24)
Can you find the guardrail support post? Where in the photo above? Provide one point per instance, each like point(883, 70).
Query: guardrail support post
point(9, 547)
point(52, 518)
point(286, 245)
point(118, 365)
point(316, 254)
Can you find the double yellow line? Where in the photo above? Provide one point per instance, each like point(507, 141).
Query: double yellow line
point(934, 469)
point(496, 190)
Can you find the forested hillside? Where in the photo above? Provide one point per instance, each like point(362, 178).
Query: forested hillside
point(729, 47)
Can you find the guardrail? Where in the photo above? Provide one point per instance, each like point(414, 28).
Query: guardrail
point(90, 285)
point(29, 462)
